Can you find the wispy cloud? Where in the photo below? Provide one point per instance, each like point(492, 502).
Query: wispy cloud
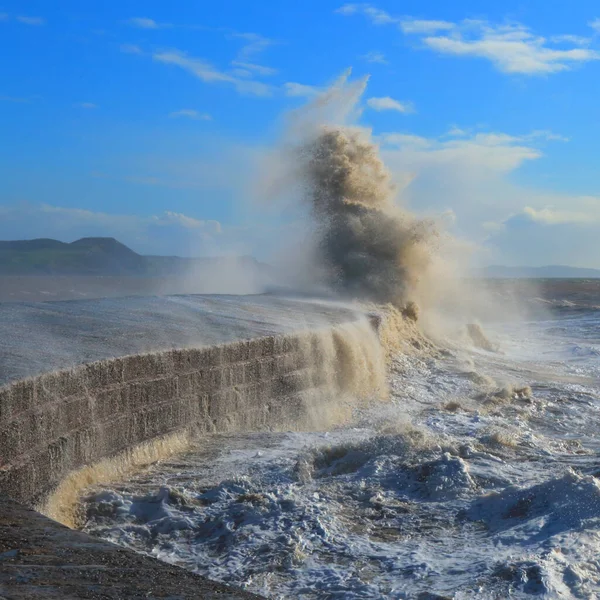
point(406, 24)
point(387, 103)
point(3, 16)
point(424, 26)
point(512, 48)
point(555, 216)
point(258, 69)
point(376, 15)
point(146, 23)
point(576, 40)
point(174, 218)
point(546, 134)
point(406, 140)
point(294, 89)
point(255, 44)
point(472, 172)
point(86, 105)
point(456, 131)
point(204, 71)
point(375, 57)
point(488, 151)
point(35, 21)
point(550, 229)
point(190, 113)
point(131, 49)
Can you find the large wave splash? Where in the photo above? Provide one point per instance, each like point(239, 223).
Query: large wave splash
point(349, 232)
point(372, 250)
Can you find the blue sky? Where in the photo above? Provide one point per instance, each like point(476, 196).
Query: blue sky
point(148, 120)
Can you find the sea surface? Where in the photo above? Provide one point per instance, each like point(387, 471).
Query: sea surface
point(479, 479)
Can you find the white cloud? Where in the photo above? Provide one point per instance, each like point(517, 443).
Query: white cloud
point(546, 134)
point(209, 74)
point(130, 49)
point(424, 26)
point(146, 23)
point(375, 57)
point(174, 218)
point(456, 131)
point(87, 105)
point(255, 44)
point(511, 48)
point(348, 9)
point(300, 90)
point(190, 113)
point(586, 215)
point(387, 103)
point(258, 69)
point(576, 40)
point(243, 73)
point(560, 230)
point(35, 21)
point(405, 140)
point(511, 223)
point(376, 15)
point(487, 152)
point(406, 24)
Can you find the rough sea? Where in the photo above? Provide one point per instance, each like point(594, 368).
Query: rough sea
point(478, 479)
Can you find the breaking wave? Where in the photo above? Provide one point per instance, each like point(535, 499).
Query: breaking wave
point(372, 249)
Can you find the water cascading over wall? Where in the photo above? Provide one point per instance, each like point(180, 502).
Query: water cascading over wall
point(54, 425)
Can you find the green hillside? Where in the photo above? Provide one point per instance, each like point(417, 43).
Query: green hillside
point(87, 256)
point(102, 256)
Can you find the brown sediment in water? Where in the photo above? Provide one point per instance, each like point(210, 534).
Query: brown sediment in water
point(62, 505)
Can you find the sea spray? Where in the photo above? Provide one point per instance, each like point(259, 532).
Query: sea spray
point(353, 236)
point(310, 381)
point(63, 504)
point(372, 249)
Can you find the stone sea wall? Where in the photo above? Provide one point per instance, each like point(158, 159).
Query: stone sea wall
point(53, 424)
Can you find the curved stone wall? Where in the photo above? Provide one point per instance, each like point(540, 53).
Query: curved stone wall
point(56, 423)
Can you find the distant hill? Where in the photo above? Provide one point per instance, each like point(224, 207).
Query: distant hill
point(548, 272)
point(102, 256)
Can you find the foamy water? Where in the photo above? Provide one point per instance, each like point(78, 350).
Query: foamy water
point(478, 480)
